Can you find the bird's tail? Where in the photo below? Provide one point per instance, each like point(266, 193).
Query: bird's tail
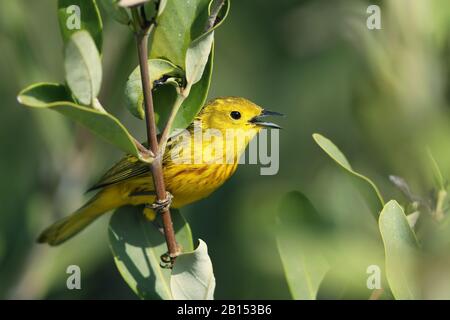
point(68, 227)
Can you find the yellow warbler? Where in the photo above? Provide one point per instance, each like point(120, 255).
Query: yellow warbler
point(196, 162)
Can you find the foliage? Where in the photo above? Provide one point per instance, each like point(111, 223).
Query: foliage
point(182, 62)
point(381, 95)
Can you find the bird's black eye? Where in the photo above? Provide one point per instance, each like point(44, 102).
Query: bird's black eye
point(236, 115)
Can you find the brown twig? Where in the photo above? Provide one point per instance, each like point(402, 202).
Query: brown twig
point(142, 30)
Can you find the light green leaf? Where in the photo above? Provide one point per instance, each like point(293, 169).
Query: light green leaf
point(83, 67)
point(367, 187)
point(137, 246)
point(57, 97)
point(199, 50)
point(117, 12)
point(298, 231)
point(437, 174)
point(400, 245)
point(158, 68)
point(131, 3)
point(192, 275)
point(77, 15)
point(197, 57)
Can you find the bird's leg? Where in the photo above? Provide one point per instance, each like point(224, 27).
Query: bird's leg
point(167, 260)
point(158, 207)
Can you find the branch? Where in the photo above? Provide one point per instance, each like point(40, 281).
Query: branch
point(142, 31)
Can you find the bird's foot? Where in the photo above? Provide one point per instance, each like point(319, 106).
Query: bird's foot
point(159, 206)
point(167, 260)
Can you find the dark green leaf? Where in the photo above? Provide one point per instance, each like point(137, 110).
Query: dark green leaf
point(76, 15)
point(57, 97)
point(137, 246)
point(176, 29)
point(158, 68)
point(191, 105)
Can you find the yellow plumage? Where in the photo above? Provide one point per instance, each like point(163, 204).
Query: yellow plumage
point(195, 164)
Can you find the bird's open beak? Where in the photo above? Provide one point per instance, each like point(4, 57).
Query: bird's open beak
point(259, 120)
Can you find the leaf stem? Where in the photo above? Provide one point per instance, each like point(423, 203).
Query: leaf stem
point(142, 32)
point(168, 128)
point(215, 9)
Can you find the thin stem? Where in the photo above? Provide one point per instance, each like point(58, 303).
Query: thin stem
point(142, 35)
point(143, 150)
point(216, 7)
point(168, 128)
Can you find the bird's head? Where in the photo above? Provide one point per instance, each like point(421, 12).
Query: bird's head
point(235, 113)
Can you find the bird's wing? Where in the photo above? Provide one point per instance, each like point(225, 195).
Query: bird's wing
point(127, 168)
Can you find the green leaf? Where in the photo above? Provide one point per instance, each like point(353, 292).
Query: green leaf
point(199, 50)
point(367, 187)
point(299, 228)
point(437, 174)
point(132, 3)
point(158, 68)
point(192, 275)
point(76, 15)
point(166, 95)
point(197, 57)
point(57, 97)
point(137, 246)
point(117, 12)
point(176, 29)
point(196, 99)
point(83, 67)
point(400, 245)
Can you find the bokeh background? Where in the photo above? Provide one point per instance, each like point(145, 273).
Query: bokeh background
point(383, 96)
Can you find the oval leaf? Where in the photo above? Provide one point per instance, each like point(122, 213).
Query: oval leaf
point(196, 99)
point(57, 97)
point(197, 57)
point(158, 69)
point(137, 246)
point(192, 275)
point(176, 29)
point(83, 67)
point(400, 245)
point(368, 188)
point(77, 15)
point(199, 50)
point(303, 261)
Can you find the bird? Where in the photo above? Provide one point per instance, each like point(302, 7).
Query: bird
point(196, 162)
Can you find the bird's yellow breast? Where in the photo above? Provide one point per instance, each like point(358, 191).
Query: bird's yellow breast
point(191, 182)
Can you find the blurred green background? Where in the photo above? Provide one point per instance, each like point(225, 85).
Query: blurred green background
point(383, 96)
